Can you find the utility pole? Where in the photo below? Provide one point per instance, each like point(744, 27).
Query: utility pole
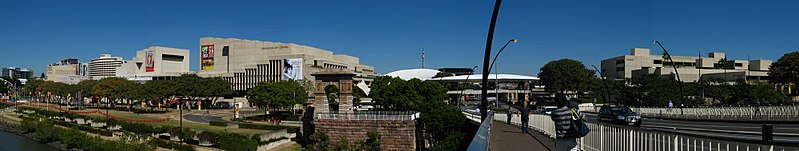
point(423, 58)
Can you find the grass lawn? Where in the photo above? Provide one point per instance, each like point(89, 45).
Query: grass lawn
point(293, 147)
point(4, 118)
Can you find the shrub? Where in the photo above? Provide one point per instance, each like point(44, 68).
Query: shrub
point(140, 128)
point(208, 136)
point(218, 123)
point(170, 145)
point(236, 142)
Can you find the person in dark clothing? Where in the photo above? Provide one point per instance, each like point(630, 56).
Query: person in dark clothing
point(525, 116)
point(562, 116)
point(510, 116)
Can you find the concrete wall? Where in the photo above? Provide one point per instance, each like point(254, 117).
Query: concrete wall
point(394, 135)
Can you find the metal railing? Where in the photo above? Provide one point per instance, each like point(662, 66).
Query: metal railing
point(605, 137)
point(373, 115)
point(482, 139)
point(747, 112)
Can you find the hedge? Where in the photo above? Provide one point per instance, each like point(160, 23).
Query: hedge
point(170, 145)
point(46, 131)
point(218, 123)
point(237, 142)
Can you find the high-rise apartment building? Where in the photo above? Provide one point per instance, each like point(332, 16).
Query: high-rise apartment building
point(104, 66)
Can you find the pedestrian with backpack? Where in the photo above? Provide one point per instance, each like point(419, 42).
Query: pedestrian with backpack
point(569, 124)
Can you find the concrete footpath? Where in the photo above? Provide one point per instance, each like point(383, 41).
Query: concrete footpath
point(509, 137)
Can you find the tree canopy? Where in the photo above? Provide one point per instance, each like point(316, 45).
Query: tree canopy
point(427, 97)
point(565, 75)
point(277, 94)
point(786, 69)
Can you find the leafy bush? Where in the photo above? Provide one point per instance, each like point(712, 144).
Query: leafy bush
point(90, 129)
point(46, 131)
point(237, 142)
point(140, 128)
point(208, 136)
point(170, 145)
point(218, 123)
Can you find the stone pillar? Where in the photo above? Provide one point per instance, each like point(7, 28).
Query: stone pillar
point(345, 96)
point(320, 100)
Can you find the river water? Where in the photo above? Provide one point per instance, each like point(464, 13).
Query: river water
point(14, 142)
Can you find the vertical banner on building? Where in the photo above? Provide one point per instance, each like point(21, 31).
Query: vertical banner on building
point(149, 63)
point(207, 57)
point(292, 69)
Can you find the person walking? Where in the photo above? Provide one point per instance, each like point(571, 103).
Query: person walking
point(510, 115)
point(562, 116)
point(525, 117)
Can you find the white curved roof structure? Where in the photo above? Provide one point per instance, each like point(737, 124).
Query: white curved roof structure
point(491, 77)
point(407, 74)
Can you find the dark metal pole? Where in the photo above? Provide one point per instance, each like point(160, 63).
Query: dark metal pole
point(604, 84)
point(682, 101)
point(486, 57)
point(466, 81)
point(498, 52)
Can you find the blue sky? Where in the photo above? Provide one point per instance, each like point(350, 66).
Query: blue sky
point(389, 35)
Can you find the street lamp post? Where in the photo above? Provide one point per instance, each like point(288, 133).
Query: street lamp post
point(604, 84)
point(496, 75)
point(677, 73)
point(486, 57)
point(466, 81)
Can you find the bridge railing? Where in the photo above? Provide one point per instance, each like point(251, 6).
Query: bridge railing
point(609, 137)
point(748, 112)
point(402, 116)
point(482, 139)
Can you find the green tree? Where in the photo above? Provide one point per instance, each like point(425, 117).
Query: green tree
point(216, 87)
point(442, 121)
point(190, 86)
point(279, 94)
point(158, 91)
point(109, 88)
point(786, 69)
point(565, 75)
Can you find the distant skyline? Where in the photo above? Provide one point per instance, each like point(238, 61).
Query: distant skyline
point(390, 35)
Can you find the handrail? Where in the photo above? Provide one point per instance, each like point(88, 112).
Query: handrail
point(482, 138)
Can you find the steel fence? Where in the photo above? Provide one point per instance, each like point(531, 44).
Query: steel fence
point(743, 112)
point(616, 138)
point(399, 116)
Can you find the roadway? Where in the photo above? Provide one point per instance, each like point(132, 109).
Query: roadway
point(784, 133)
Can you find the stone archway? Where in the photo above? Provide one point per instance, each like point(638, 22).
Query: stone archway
point(341, 79)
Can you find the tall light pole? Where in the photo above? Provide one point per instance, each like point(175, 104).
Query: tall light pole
point(668, 56)
point(496, 74)
point(466, 81)
point(605, 85)
point(486, 57)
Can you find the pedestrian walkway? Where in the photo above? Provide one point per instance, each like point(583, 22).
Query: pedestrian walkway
point(509, 137)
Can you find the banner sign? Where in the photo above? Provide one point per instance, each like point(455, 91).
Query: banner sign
point(292, 69)
point(149, 63)
point(207, 57)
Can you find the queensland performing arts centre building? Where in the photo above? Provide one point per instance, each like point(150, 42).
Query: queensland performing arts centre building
point(245, 63)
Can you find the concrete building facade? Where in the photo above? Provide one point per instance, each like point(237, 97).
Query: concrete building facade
point(19, 73)
point(69, 71)
point(155, 63)
point(245, 63)
point(690, 68)
point(104, 66)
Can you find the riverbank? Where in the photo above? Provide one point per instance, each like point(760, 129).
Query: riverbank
point(16, 129)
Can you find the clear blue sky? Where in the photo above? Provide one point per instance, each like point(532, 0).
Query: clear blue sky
point(389, 35)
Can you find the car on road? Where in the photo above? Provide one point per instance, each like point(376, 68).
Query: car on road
point(619, 115)
point(548, 109)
